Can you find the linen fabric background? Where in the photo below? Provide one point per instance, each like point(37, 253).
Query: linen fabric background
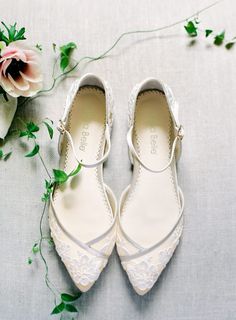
point(200, 281)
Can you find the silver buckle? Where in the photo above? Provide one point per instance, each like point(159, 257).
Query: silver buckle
point(180, 132)
point(61, 127)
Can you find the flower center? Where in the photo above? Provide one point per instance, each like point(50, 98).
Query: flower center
point(15, 67)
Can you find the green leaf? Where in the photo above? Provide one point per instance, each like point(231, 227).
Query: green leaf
point(33, 152)
point(12, 33)
point(35, 248)
point(45, 197)
point(23, 134)
point(3, 37)
point(51, 242)
point(50, 129)
point(48, 184)
point(229, 45)
point(64, 62)
point(191, 29)
point(60, 176)
point(49, 188)
point(59, 308)
point(75, 171)
point(219, 38)
point(70, 308)
point(67, 48)
point(30, 260)
point(7, 156)
point(20, 35)
point(208, 32)
point(65, 53)
point(69, 298)
point(32, 127)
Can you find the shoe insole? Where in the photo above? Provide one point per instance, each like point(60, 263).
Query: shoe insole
point(81, 203)
point(152, 205)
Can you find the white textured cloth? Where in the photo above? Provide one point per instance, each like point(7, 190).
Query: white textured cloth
point(199, 282)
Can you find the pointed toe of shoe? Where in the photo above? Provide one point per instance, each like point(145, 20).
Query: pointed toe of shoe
point(83, 264)
point(144, 272)
point(84, 270)
point(141, 291)
point(145, 267)
point(142, 275)
point(84, 288)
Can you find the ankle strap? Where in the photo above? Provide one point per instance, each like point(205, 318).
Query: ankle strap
point(179, 137)
point(63, 131)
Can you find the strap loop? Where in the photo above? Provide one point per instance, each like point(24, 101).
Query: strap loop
point(179, 137)
point(61, 127)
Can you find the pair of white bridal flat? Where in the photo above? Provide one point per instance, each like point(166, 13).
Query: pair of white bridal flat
point(84, 217)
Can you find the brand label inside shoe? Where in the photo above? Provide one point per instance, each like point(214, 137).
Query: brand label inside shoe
point(84, 137)
point(153, 141)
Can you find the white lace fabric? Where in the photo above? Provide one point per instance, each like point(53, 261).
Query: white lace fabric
point(144, 271)
point(83, 266)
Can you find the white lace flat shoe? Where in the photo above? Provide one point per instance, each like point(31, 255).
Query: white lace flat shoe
point(82, 211)
point(150, 214)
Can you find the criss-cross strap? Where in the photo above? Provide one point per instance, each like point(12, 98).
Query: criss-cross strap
point(63, 131)
point(141, 251)
point(88, 246)
point(134, 153)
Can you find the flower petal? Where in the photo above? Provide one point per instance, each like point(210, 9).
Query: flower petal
point(34, 88)
point(5, 65)
point(20, 83)
point(31, 74)
point(6, 84)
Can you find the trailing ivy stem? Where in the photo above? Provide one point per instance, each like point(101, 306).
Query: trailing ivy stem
point(44, 165)
point(135, 32)
point(169, 26)
point(49, 284)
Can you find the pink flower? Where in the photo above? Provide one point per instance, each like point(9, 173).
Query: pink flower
point(20, 74)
